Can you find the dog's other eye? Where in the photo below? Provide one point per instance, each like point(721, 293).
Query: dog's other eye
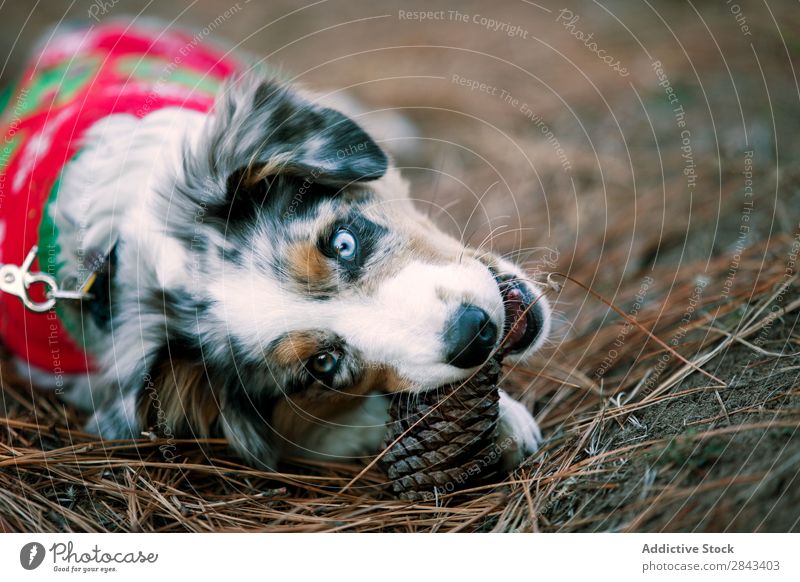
point(344, 244)
point(324, 365)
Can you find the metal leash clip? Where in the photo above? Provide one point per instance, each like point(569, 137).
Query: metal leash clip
point(17, 281)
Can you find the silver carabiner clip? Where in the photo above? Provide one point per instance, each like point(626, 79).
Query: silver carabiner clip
point(18, 280)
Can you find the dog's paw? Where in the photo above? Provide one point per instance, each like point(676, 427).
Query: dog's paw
point(518, 434)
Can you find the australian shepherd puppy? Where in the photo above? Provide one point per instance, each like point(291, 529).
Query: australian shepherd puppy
point(265, 276)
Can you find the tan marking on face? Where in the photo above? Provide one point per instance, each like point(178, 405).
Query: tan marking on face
point(388, 380)
point(393, 206)
point(308, 265)
point(296, 346)
point(424, 248)
point(423, 240)
point(411, 238)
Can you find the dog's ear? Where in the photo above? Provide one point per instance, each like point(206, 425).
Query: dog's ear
point(180, 399)
point(267, 129)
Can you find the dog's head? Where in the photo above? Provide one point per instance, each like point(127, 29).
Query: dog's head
point(315, 261)
point(313, 266)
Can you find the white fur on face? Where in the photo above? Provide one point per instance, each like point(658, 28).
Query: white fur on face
point(402, 325)
point(399, 326)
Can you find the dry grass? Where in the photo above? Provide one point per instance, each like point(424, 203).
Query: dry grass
point(54, 477)
point(637, 439)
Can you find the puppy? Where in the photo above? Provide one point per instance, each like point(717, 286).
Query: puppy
point(257, 268)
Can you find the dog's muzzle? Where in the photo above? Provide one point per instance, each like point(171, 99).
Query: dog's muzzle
point(470, 337)
point(524, 319)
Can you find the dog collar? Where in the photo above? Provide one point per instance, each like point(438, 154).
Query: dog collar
point(18, 280)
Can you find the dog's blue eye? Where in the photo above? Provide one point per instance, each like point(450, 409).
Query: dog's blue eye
point(344, 244)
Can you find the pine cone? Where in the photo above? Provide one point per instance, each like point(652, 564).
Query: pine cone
point(453, 446)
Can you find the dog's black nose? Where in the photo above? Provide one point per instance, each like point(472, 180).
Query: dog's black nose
point(470, 337)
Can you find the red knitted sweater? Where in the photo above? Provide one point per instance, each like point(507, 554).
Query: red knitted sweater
point(78, 78)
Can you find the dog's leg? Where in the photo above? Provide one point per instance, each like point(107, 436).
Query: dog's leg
point(518, 435)
point(117, 419)
point(77, 391)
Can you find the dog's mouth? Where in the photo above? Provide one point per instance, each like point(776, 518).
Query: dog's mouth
point(523, 316)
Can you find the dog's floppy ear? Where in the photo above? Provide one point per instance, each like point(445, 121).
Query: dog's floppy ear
point(268, 129)
point(180, 400)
